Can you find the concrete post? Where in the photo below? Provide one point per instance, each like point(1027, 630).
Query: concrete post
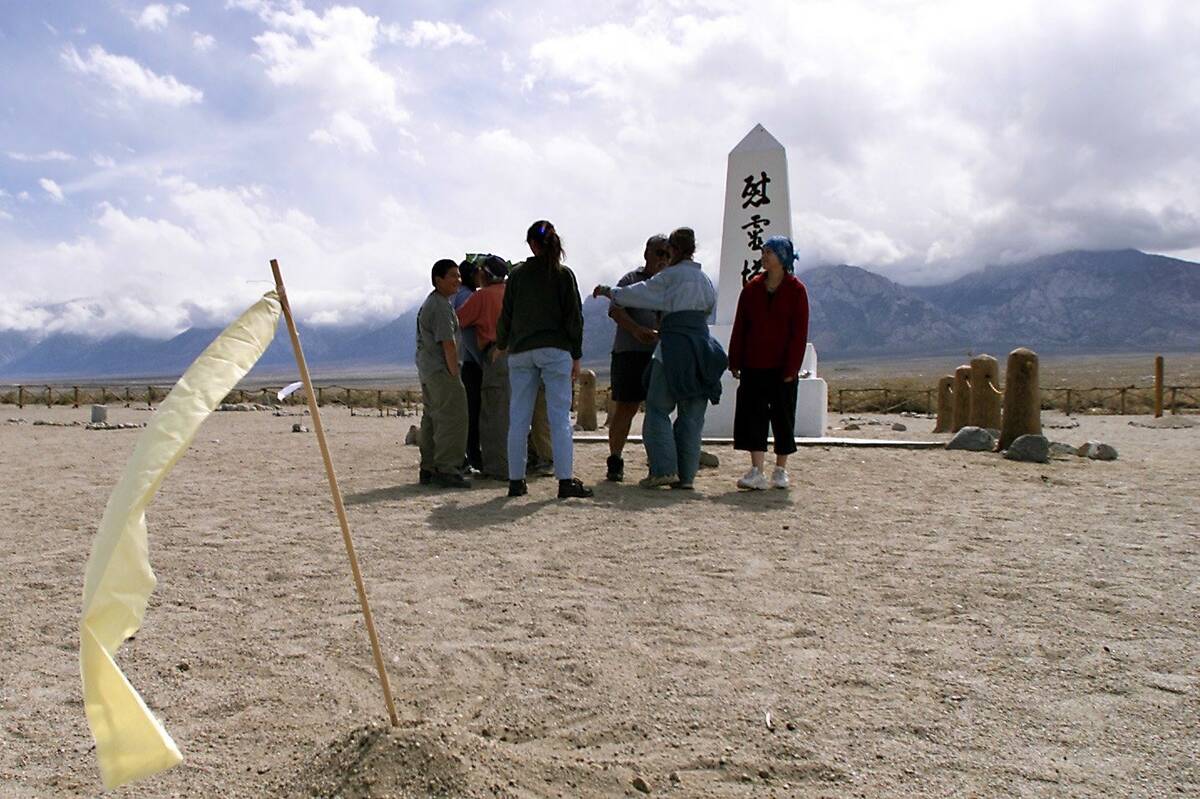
point(1022, 400)
point(585, 403)
point(962, 398)
point(985, 392)
point(945, 405)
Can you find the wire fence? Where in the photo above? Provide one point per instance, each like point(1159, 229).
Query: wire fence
point(387, 401)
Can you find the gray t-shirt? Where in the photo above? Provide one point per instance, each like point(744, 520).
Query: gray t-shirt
point(436, 322)
point(624, 340)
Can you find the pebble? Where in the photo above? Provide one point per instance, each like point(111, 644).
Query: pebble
point(640, 784)
point(299, 428)
point(899, 428)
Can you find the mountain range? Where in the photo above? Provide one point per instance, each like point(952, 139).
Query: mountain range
point(1082, 301)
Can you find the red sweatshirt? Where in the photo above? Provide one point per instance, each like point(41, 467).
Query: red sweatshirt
point(770, 332)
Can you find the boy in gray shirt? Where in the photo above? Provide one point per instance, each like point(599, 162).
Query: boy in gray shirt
point(443, 436)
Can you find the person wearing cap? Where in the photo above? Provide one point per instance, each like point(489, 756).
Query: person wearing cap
point(443, 435)
point(766, 351)
point(633, 346)
point(479, 314)
point(472, 359)
point(686, 368)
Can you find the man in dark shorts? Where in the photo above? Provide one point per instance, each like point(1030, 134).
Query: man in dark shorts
point(633, 345)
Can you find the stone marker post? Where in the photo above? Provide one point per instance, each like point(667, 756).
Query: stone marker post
point(945, 405)
point(962, 397)
point(1022, 399)
point(585, 402)
point(99, 414)
point(985, 393)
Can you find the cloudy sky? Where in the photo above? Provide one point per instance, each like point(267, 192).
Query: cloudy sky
point(153, 157)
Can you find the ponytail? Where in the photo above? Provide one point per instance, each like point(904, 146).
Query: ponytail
point(543, 234)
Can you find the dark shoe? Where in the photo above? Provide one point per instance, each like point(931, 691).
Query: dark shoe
point(616, 469)
point(425, 476)
point(517, 488)
point(451, 480)
point(572, 488)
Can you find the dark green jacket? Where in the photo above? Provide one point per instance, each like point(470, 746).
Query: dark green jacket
point(541, 309)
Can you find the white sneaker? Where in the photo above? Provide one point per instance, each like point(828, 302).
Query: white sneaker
point(754, 480)
point(779, 478)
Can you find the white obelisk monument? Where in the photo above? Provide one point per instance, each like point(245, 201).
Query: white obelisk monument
point(757, 206)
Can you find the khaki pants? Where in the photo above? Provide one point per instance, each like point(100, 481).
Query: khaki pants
point(493, 416)
point(443, 436)
point(539, 431)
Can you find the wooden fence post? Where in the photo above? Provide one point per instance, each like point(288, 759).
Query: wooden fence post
point(49, 397)
point(76, 405)
point(1158, 387)
point(320, 396)
point(348, 405)
point(1174, 407)
point(1122, 401)
point(929, 400)
point(379, 400)
point(20, 396)
point(150, 397)
point(128, 397)
point(841, 400)
point(1068, 410)
point(886, 404)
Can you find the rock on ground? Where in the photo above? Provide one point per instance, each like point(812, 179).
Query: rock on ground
point(1029, 448)
point(972, 439)
point(1097, 451)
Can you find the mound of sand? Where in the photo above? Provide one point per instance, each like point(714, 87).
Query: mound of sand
point(377, 761)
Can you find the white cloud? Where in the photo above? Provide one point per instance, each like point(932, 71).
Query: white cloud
point(345, 131)
point(156, 16)
point(52, 188)
point(104, 161)
point(51, 155)
point(128, 77)
point(437, 35)
point(203, 42)
point(331, 56)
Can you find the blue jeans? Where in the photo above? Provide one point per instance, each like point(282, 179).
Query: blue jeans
point(672, 449)
point(552, 368)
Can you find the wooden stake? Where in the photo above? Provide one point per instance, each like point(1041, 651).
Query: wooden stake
point(315, 412)
point(1158, 387)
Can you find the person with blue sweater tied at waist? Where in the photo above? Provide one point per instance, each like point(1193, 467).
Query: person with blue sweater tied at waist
point(685, 372)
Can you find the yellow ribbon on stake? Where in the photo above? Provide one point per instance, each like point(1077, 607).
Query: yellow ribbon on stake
point(130, 741)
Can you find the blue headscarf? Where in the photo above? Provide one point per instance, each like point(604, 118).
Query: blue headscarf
point(782, 247)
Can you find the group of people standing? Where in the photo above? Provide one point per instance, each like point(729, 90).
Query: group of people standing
point(498, 352)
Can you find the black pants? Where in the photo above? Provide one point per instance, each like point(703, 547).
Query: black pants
point(763, 398)
point(472, 378)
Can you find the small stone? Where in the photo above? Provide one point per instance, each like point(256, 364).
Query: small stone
point(410, 438)
point(641, 785)
point(674, 777)
point(299, 428)
point(972, 439)
point(1029, 448)
point(763, 774)
point(852, 426)
point(709, 460)
point(183, 665)
point(1060, 450)
point(899, 428)
point(1097, 451)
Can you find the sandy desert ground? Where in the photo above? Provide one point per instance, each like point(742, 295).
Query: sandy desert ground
point(900, 623)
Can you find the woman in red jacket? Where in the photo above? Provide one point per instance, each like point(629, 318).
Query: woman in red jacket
point(766, 348)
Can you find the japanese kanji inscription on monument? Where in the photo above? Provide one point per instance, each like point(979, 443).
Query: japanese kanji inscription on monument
point(756, 208)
